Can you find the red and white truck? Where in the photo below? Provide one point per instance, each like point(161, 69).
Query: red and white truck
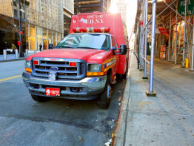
point(84, 64)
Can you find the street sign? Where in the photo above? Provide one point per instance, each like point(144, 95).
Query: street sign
point(190, 7)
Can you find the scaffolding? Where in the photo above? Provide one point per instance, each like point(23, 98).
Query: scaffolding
point(170, 30)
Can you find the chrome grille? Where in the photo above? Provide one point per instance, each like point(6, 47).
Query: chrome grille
point(64, 71)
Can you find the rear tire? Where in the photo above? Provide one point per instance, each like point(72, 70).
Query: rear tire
point(106, 95)
point(39, 98)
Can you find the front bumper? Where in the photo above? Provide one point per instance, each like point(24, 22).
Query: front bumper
point(85, 89)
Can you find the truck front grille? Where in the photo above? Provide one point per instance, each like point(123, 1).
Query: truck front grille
point(64, 71)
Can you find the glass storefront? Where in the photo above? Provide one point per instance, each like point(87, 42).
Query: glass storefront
point(27, 42)
point(32, 30)
point(39, 42)
point(54, 39)
point(36, 36)
point(32, 43)
point(45, 46)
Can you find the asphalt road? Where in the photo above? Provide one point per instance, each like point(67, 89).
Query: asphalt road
point(59, 122)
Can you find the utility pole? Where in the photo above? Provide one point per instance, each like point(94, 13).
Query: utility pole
point(26, 3)
point(20, 24)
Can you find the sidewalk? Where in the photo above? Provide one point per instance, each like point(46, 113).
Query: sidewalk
point(165, 120)
point(12, 57)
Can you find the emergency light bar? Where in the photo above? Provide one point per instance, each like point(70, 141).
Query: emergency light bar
point(91, 29)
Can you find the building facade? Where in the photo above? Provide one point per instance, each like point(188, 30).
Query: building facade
point(122, 6)
point(43, 22)
point(85, 6)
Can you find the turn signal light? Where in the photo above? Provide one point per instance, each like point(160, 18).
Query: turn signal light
point(36, 62)
point(28, 69)
point(95, 73)
point(72, 64)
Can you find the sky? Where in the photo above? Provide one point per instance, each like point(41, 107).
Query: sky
point(131, 12)
point(132, 9)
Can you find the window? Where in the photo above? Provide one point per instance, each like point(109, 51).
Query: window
point(44, 33)
point(86, 41)
point(114, 44)
point(14, 3)
point(15, 13)
point(39, 31)
point(32, 30)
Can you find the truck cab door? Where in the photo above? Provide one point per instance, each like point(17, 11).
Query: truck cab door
point(115, 57)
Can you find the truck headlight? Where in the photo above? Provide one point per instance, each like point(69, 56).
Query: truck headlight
point(94, 67)
point(28, 64)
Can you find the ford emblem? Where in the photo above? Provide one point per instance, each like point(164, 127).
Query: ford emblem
point(54, 68)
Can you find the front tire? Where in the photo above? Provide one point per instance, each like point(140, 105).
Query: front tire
point(39, 98)
point(106, 95)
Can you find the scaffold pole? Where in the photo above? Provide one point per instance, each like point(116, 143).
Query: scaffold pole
point(192, 49)
point(146, 31)
point(151, 92)
point(141, 43)
point(138, 46)
point(169, 40)
point(184, 45)
point(175, 59)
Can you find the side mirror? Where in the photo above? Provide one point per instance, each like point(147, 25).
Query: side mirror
point(114, 49)
point(123, 49)
point(51, 46)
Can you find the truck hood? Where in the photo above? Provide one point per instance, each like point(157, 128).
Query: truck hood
point(83, 54)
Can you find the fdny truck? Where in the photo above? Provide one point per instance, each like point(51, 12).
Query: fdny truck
point(84, 65)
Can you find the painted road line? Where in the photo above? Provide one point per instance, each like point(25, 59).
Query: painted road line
point(5, 79)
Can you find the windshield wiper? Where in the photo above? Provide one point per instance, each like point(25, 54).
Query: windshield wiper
point(65, 47)
point(87, 47)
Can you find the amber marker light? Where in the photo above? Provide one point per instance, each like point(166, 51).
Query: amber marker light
point(28, 69)
point(95, 73)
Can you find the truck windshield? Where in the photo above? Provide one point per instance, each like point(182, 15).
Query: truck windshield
point(87, 41)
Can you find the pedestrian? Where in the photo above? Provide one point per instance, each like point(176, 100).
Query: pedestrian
point(40, 47)
point(13, 47)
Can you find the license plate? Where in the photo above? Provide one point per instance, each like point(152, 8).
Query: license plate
point(53, 91)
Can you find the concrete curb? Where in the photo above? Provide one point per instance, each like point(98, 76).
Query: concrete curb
point(120, 130)
point(9, 60)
